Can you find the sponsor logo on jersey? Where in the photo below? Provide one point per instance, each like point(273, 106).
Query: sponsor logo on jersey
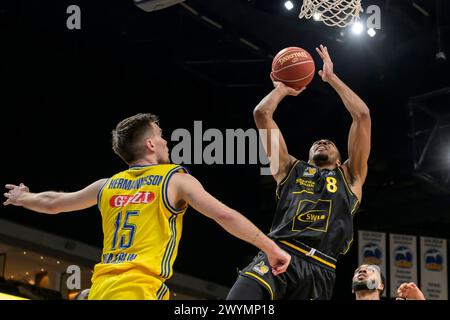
point(329, 174)
point(309, 172)
point(312, 215)
point(119, 201)
point(305, 183)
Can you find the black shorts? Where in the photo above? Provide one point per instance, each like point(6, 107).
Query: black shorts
point(305, 279)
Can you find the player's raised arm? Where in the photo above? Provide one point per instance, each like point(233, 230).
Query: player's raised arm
point(359, 136)
point(52, 202)
point(185, 188)
point(263, 115)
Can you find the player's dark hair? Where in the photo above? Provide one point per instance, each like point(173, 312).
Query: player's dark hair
point(126, 136)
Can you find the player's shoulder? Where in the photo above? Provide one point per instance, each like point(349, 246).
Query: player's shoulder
point(173, 167)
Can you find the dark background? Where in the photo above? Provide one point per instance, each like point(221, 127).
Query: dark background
point(63, 91)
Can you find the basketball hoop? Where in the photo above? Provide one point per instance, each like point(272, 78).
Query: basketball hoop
point(340, 13)
point(153, 5)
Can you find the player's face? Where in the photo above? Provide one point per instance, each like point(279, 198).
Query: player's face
point(161, 149)
point(324, 152)
point(367, 276)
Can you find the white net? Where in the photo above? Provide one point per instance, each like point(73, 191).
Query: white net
point(338, 13)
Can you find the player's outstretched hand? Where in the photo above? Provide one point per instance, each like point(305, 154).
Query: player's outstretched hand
point(327, 72)
point(14, 194)
point(409, 291)
point(279, 261)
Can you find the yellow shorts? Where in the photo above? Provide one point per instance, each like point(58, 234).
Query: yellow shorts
point(128, 286)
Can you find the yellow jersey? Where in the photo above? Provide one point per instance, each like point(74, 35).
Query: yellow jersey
point(140, 227)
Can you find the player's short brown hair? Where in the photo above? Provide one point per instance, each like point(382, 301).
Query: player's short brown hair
point(128, 133)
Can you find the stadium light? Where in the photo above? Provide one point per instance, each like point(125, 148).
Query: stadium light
point(289, 5)
point(357, 28)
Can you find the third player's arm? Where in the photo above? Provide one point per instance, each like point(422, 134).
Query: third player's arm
point(52, 202)
point(185, 188)
point(263, 115)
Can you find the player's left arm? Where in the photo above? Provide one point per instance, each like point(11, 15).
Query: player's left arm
point(52, 202)
point(359, 137)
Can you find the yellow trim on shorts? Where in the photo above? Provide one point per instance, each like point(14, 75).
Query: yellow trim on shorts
point(163, 289)
point(4, 296)
point(306, 253)
point(263, 282)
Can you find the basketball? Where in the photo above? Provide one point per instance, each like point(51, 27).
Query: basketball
point(294, 67)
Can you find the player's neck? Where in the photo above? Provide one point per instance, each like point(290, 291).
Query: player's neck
point(323, 165)
point(367, 295)
point(148, 160)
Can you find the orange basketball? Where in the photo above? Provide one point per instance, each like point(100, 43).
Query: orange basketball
point(294, 67)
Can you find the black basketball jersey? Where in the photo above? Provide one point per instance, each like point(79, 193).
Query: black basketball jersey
point(315, 207)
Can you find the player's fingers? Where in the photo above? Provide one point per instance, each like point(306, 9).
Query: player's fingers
point(277, 270)
point(295, 92)
point(320, 53)
point(7, 202)
point(7, 195)
point(10, 186)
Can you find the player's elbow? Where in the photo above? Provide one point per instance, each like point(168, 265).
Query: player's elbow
point(260, 114)
point(52, 204)
point(52, 207)
point(363, 114)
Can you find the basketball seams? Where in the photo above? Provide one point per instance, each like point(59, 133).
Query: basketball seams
point(294, 80)
point(290, 50)
point(293, 65)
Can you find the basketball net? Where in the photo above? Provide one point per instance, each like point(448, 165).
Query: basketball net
point(340, 13)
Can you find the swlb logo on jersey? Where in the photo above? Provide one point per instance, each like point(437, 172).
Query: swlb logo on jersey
point(261, 268)
point(372, 254)
point(312, 215)
point(309, 172)
point(403, 257)
point(119, 201)
point(434, 260)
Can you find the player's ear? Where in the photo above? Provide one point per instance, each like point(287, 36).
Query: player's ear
point(338, 162)
point(149, 144)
